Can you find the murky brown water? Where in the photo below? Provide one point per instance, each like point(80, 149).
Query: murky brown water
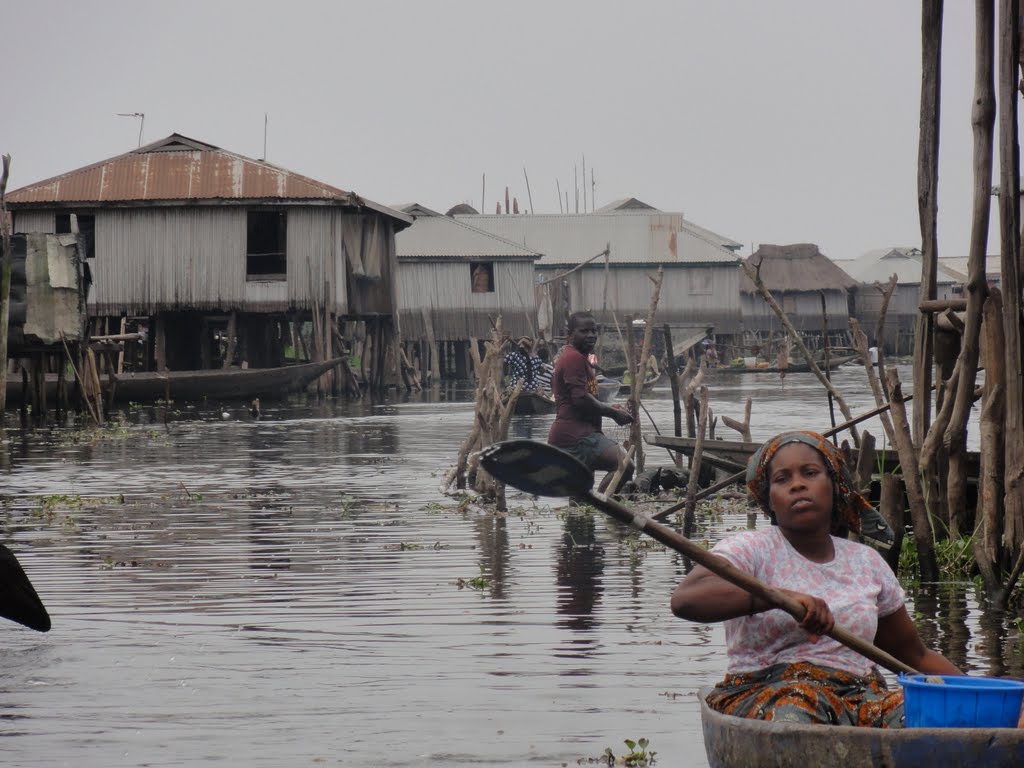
point(295, 591)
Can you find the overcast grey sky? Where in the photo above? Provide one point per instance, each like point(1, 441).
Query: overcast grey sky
point(767, 122)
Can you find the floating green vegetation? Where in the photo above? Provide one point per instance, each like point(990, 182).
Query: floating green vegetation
point(403, 546)
point(637, 757)
point(478, 583)
point(94, 435)
point(639, 546)
point(56, 509)
point(347, 504)
point(954, 557)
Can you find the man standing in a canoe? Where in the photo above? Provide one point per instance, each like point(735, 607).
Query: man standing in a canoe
point(577, 426)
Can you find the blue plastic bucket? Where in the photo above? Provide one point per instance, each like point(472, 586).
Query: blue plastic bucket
point(961, 702)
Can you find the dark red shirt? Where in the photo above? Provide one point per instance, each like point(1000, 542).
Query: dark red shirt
point(572, 380)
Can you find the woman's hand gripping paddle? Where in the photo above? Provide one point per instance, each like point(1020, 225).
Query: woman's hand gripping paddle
point(543, 470)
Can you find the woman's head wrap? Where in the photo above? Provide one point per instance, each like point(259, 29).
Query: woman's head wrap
point(847, 502)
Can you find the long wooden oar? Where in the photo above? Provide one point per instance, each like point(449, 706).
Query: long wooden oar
point(544, 470)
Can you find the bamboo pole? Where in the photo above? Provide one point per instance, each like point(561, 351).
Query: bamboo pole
point(912, 480)
point(694, 481)
point(927, 206)
point(1011, 282)
point(988, 521)
point(640, 370)
point(982, 122)
point(673, 379)
point(5, 282)
point(860, 343)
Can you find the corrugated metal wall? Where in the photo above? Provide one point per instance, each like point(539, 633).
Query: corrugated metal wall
point(443, 288)
point(35, 221)
point(155, 259)
point(803, 309)
point(700, 295)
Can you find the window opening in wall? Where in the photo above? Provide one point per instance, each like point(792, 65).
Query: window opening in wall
point(701, 282)
point(266, 235)
point(87, 231)
point(62, 224)
point(482, 276)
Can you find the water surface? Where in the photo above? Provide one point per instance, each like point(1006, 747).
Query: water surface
point(296, 590)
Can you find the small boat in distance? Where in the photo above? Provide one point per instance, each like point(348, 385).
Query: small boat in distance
point(793, 367)
point(533, 403)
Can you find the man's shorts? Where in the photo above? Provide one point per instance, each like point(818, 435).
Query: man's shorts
point(588, 449)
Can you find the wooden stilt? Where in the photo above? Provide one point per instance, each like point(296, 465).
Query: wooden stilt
point(232, 332)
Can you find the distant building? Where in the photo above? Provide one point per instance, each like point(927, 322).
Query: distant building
point(799, 277)
point(878, 266)
point(194, 239)
point(701, 284)
point(454, 282)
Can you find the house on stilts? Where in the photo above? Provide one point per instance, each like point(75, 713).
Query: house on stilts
point(222, 260)
point(700, 289)
point(454, 282)
point(901, 315)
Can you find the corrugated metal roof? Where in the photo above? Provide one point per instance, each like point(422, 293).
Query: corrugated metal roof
point(957, 265)
point(880, 264)
point(433, 236)
point(180, 168)
point(570, 239)
point(625, 205)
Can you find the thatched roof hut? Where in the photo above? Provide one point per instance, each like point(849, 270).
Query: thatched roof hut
point(798, 276)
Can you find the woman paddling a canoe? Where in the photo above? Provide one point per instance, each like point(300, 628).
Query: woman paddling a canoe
point(779, 669)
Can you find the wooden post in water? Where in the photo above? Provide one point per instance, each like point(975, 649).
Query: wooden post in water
point(673, 378)
point(1011, 280)
point(5, 282)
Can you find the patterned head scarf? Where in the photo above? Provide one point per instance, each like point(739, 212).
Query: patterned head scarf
point(847, 502)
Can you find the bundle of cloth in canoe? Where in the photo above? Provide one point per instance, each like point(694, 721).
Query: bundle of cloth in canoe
point(788, 671)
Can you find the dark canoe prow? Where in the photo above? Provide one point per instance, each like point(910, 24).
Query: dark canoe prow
point(735, 742)
point(530, 404)
point(607, 388)
point(625, 390)
point(224, 384)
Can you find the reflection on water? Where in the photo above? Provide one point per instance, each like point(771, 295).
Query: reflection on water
point(578, 572)
point(296, 590)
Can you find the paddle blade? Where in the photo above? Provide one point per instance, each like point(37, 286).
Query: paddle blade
point(537, 468)
point(18, 599)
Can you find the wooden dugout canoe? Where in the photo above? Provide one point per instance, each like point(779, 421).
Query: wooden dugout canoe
point(223, 384)
point(530, 404)
point(736, 742)
point(189, 386)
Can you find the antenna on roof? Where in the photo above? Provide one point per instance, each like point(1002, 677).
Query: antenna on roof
point(264, 158)
point(142, 121)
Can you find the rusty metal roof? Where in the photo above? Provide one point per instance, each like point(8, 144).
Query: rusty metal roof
point(178, 168)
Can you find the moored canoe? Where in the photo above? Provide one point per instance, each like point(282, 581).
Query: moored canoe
point(736, 742)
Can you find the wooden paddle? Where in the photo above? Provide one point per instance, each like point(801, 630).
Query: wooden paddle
point(18, 599)
point(544, 470)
